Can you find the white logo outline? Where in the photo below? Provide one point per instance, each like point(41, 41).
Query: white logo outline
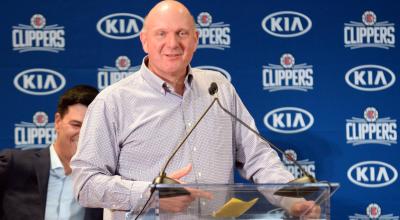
point(100, 22)
point(35, 70)
point(387, 70)
point(308, 28)
point(372, 162)
point(309, 125)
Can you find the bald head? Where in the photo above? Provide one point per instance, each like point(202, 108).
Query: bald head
point(169, 38)
point(163, 8)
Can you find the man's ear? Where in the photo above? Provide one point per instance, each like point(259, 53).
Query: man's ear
point(57, 121)
point(143, 39)
point(196, 38)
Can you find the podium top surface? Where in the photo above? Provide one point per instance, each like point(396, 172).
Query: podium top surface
point(248, 186)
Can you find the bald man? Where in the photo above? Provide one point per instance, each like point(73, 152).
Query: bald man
point(133, 126)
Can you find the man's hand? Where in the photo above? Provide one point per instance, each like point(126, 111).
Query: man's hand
point(308, 208)
point(181, 203)
point(181, 172)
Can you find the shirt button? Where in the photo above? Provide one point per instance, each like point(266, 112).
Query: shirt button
point(194, 149)
point(203, 203)
point(189, 124)
point(199, 174)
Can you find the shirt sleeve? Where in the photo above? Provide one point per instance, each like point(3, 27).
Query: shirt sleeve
point(94, 166)
point(256, 160)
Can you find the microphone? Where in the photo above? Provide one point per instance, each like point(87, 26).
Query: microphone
point(286, 191)
point(213, 88)
point(163, 178)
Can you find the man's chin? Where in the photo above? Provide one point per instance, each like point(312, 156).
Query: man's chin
point(175, 68)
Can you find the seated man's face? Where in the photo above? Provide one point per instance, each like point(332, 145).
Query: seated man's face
point(67, 129)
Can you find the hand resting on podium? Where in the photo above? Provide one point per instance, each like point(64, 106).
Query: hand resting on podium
point(181, 203)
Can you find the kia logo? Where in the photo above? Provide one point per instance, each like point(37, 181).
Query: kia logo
point(286, 24)
point(288, 120)
point(39, 81)
point(120, 26)
point(372, 174)
point(370, 78)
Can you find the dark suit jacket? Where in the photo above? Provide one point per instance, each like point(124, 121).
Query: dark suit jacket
point(24, 175)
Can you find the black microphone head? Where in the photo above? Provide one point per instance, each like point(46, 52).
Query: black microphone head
point(213, 88)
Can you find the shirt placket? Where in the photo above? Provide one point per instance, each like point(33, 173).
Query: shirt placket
point(190, 120)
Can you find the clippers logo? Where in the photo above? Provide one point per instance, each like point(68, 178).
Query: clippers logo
point(109, 75)
point(288, 76)
point(308, 166)
point(38, 134)
point(372, 174)
point(212, 35)
point(39, 81)
point(373, 211)
point(371, 129)
point(38, 36)
point(120, 26)
point(218, 69)
point(370, 78)
point(288, 120)
point(286, 24)
point(369, 33)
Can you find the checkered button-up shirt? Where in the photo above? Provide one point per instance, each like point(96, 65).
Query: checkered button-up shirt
point(132, 127)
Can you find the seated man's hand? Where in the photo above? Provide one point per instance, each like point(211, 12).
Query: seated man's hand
point(308, 208)
point(181, 203)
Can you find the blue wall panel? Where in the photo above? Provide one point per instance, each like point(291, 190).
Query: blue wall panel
point(289, 60)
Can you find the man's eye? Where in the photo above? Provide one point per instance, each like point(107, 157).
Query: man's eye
point(161, 34)
point(183, 33)
point(76, 125)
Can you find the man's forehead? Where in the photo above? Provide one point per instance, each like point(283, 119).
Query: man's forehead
point(73, 118)
point(75, 111)
point(183, 24)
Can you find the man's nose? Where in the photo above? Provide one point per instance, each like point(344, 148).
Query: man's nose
point(172, 41)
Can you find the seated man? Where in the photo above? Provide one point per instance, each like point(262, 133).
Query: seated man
point(36, 183)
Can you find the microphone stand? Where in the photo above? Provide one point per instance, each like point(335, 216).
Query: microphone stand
point(163, 178)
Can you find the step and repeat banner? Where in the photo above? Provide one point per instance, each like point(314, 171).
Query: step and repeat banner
point(320, 78)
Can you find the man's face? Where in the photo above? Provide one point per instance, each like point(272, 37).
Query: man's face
point(170, 41)
point(67, 129)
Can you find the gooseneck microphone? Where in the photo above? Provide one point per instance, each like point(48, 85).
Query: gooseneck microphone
point(289, 192)
point(163, 178)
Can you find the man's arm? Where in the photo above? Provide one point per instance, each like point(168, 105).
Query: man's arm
point(256, 160)
point(94, 166)
point(261, 164)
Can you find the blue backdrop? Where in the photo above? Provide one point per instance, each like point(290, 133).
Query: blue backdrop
point(320, 78)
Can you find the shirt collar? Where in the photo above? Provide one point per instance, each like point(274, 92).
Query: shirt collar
point(159, 84)
point(55, 161)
